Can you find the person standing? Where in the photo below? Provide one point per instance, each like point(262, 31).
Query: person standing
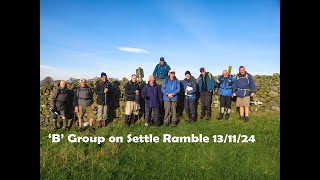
point(244, 87)
point(58, 101)
point(225, 84)
point(152, 94)
point(132, 97)
point(206, 86)
point(170, 89)
point(161, 70)
point(84, 104)
point(190, 88)
point(103, 90)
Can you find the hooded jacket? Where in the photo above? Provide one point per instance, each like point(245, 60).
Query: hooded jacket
point(129, 90)
point(244, 85)
point(170, 87)
point(225, 85)
point(103, 98)
point(161, 71)
point(152, 95)
point(60, 97)
point(209, 80)
point(192, 83)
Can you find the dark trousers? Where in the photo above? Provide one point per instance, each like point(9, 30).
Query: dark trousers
point(225, 101)
point(155, 112)
point(189, 107)
point(206, 99)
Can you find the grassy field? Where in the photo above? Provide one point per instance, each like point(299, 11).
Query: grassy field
point(258, 160)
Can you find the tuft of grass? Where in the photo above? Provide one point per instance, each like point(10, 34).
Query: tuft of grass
point(258, 160)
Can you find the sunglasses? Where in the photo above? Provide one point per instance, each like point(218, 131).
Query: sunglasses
point(172, 73)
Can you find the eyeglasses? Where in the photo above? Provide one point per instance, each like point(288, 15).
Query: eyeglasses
point(172, 73)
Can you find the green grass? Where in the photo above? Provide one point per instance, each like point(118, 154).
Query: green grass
point(258, 160)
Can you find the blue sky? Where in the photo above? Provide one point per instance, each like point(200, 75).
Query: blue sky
point(81, 38)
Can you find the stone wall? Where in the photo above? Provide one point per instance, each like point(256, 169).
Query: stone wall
point(267, 98)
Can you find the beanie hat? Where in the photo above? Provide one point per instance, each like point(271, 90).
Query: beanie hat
point(187, 72)
point(103, 74)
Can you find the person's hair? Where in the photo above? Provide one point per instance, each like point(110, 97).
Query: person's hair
point(242, 67)
point(151, 76)
point(133, 75)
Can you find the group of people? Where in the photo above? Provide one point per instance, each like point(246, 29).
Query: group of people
point(162, 90)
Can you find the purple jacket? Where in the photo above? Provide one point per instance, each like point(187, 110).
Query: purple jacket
point(152, 95)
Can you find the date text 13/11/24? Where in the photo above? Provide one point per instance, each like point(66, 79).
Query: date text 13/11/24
point(233, 138)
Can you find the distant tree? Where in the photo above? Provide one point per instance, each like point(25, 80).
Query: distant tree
point(72, 80)
point(47, 80)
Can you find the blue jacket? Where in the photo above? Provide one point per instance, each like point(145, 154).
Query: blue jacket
point(244, 85)
point(160, 71)
point(210, 82)
point(192, 83)
point(170, 87)
point(225, 85)
point(152, 95)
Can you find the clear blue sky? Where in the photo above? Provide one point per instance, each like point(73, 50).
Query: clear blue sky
point(82, 38)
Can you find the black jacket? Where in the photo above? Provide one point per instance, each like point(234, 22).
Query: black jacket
point(60, 97)
point(129, 90)
point(102, 98)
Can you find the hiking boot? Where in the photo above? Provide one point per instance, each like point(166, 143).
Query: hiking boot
point(166, 124)
point(91, 128)
point(220, 116)
point(201, 117)
point(127, 120)
point(207, 118)
point(81, 129)
point(246, 119)
point(100, 124)
point(241, 118)
point(174, 125)
point(227, 116)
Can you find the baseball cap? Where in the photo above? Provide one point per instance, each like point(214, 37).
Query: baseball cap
point(171, 70)
point(161, 59)
point(201, 69)
point(187, 72)
point(83, 80)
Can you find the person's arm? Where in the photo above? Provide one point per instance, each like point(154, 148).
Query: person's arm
point(169, 68)
point(75, 102)
point(234, 86)
point(155, 70)
point(211, 82)
point(252, 84)
point(53, 99)
point(143, 93)
point(217, 85)
point(91, 96)
point(177, 89)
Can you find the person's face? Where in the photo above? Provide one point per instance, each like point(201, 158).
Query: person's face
point(225, 74)
point(242, 70)
point(203, 73)
point(82, 84)
point(161, 63)
point(172, 74)
point(104, 78)
point(62, 84)
point(151, 79)
point(188, 76)
point(134, 78)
